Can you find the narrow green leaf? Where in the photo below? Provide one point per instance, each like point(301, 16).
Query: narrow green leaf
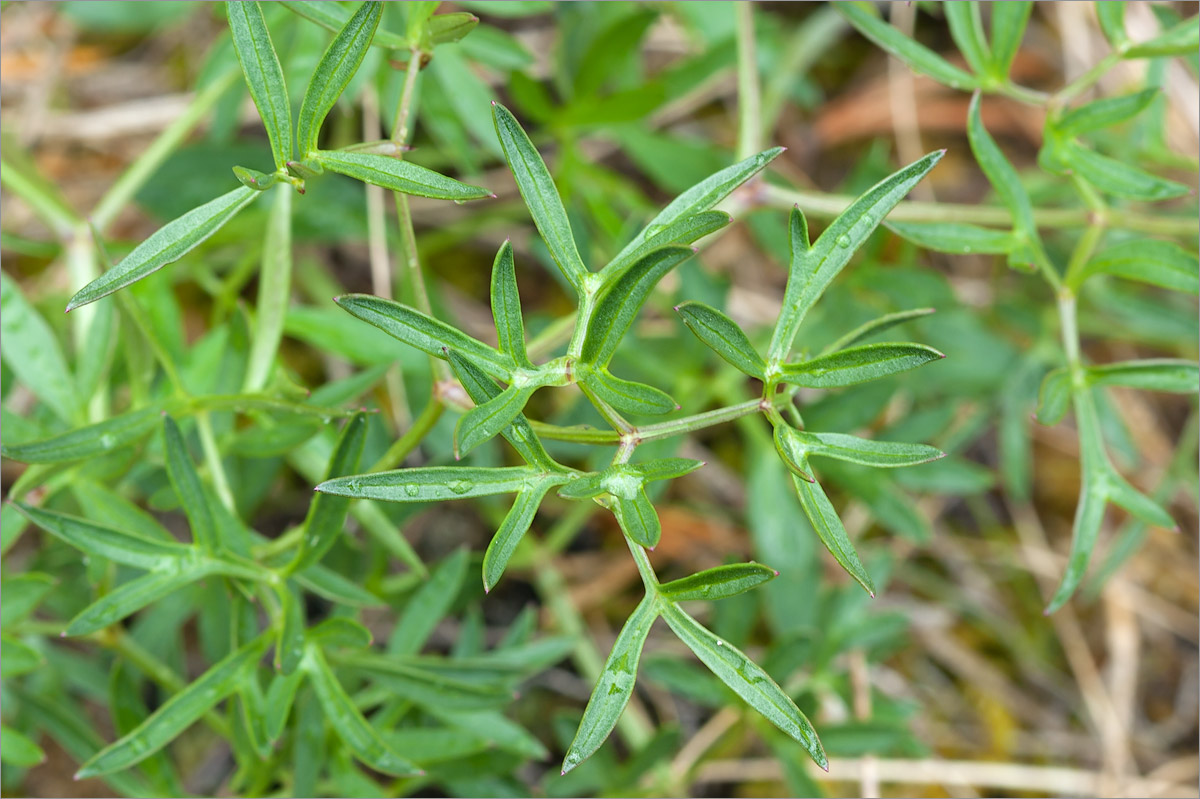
point(858, 364)
point(1105, 112)
point(327, 513)
point(480, 388)
point(541, 196)
point(864, 17)
point(747, 680)
point(280, 697)
point(1177, 376)
point(418, 13)
point(21, 595)
point(167, 245)
point(1181, 39)
point(402, 176)
point(584, 487)
point(1008, 29)
point(682, 231)
point(427, 685)
point(1003, 177)
point(333, 17)
point(958, 238)
point(615, 686)
point(274, 292)
point(264, 76)
point(787, 446)
point(289, 647)
point(512, 529)
point(627, 396)
point(341, 632)
point(1143, 507)
point(17, 657)
point(1112, 22)
point(188, 488)
point(620, 300)
point(333, 73)
point(830, 530)
point(21, 176)
point(718, 583)
point(663, 468)
point(875, 326)
point(31, 350)
point(449, 28)
point(88, 441)
point(177, 713)
point(484, 422)
point(865, 451)
point(506, 307)
point(813, 269)
point(426, 334)
point(966, 28)
point(432, 483)
point(130, 597)
point(1085, 531)
point(17, 749)
point(1159, 263)
point(330, 585)
point(1119, 178)
point(723, 336)
point(106, 542)
point(128, 710)
point(252, 178)
point(637, 518)
point(1054, 397)
point(428, 605)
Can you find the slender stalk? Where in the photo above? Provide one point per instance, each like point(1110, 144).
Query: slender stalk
point(1084, 82)
point(654, 432)
point(749, 98)
point(827, 206)
point(274, 290)
point(121, 192)
point(404, 445)
point(212, 456)
point(645, 569)
point(610, 414)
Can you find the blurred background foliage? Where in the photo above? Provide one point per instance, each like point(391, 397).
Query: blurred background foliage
point(950, 671)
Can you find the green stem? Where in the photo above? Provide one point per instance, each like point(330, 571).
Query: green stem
point(749, 98)
point(212, 456)
point(827, 206)
point(274, 290)
point(686, 424)
point(404, 445)
point(610, 414)
point(645, 568)
point(1081, 84)
point(141, 170)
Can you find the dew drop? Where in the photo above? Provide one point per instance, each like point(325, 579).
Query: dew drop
point(411, 489)
point(843, 241)
point(720, 643)
point(967, 249)
point(107, 441)
point(460, 486)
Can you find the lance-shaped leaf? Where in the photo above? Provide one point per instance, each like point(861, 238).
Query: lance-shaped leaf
point(584, 487)
point(88, 441)
point(1105, 112)
point(333, 73)
point(865, 451)
point(1173, 375)
point(427, 684)
point(1119, 178)
point(426, 334)
point(363, 740)
point(264, 76)
point(747, 680)
point(512, 529)
point(1159, 263)
point(130, 597)
point(18, 749)
point(863, 17)
point(506, 307)
point(1180, 39)
point(402, 176)
point(31, 351)
point(615, 686)
point(628, 396)
point(958, 238)
point(858, 364)
point(1121, 493)
point(167, 245)
point(485, 421)
point(622, 298)
point(874, 326)
point(327, 513)
point(681, 231)
point(1008, 28)
point(433, 483)
point(22, 594)
point(428, 605)
point(637, 517)
point(340, 632)
point(723, 336)
point(541, 196)
point(105, 542)
point(289, 648)
point(966, 28)
point(813, 268)
point(1003, 177)
point(17, 657)
point(330, 585)
point(1054, 397)
point(718, 583)
point(449, 28)
point(177, 713)
point(480, 388)
point(663, 468)
point(830, 530)
point(280, 697)
point(333, 17)
point(188, 488)
point(1112, 22)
